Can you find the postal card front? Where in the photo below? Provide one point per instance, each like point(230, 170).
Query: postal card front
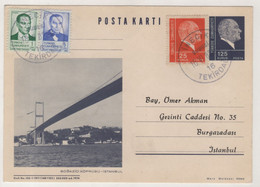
point(128, 94)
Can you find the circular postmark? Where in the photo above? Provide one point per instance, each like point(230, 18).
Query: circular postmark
point(27, 32)
point(198, 69)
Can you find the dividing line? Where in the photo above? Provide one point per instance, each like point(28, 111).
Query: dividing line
point(49, 175)
point(171, 151)
point(230, 136)
point(97, 49)
point(190, 106)
point(96, 39)
point(177, 152)
point(229, 50)
point(189, 121)
point(187, 154)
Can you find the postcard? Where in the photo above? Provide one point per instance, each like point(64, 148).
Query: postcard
point(128, 94)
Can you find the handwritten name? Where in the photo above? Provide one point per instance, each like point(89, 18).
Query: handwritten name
point(169, 100)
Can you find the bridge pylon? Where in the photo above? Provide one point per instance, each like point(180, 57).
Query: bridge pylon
point(39, 119)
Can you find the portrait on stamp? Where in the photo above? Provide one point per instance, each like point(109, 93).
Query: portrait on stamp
point(189, 28)
point(23, 25)
point(187, 39)
point(55, 27)
point(227, 38)
point(229, 33)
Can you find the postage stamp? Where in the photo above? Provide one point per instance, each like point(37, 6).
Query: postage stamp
point(22, 34)
point(187, 40)
point(39, 35)
point(189, 46)
point(227, 40)
point(55, 31)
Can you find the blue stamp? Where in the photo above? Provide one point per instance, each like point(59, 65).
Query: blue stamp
point(56, 30)
point(227, 38)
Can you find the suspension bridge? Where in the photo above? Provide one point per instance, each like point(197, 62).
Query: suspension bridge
point(103, 92)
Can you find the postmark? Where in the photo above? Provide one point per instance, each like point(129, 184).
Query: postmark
point(186, 40)
point(208, 72)
point(27, 31)
point(205, 73)
point(227, 40)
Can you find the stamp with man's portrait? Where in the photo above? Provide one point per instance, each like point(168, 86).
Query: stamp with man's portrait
point(227, 38)
point(22, 31)
point(187, 40)
point(56, 31)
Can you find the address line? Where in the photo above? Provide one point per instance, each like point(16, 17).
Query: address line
point(143, 106)
point(189, 121)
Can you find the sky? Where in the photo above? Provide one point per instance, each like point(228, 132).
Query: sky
point(61, 83)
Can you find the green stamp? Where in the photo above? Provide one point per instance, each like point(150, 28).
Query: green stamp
point(23, 33)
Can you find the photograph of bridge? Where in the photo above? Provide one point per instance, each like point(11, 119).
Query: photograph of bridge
point(68, 113)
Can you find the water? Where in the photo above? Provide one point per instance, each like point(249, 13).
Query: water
point(93, 155)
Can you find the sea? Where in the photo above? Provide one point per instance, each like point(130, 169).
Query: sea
point(89, 155)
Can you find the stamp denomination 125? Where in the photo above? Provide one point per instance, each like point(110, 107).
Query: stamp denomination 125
point(227, 38)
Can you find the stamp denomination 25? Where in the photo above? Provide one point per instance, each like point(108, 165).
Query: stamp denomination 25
point(186, 40)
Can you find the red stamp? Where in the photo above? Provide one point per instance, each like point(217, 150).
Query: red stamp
point(187, 40)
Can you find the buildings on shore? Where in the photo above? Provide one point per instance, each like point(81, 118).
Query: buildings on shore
point(74, 136)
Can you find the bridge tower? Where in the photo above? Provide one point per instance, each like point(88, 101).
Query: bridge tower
point(39, 119)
